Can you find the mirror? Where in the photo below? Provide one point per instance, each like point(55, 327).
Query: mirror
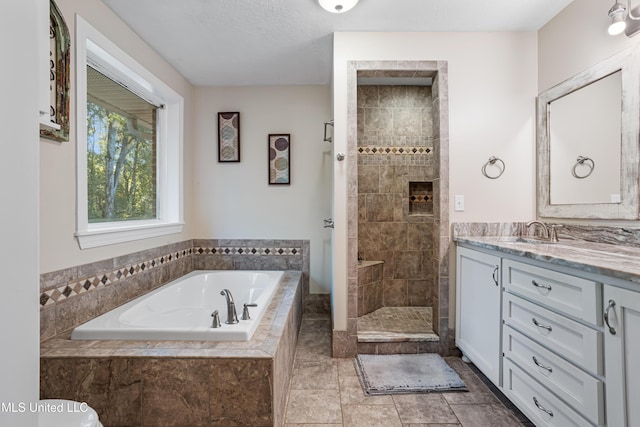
point(588, 135)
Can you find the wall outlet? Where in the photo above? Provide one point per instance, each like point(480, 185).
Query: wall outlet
point(458, 205)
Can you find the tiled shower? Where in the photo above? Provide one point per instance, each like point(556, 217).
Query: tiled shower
point(397, 174)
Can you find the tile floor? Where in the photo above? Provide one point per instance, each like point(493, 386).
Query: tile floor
point(325, 392)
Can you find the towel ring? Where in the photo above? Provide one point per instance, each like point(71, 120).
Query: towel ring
point(581, 160)
point(492, 161)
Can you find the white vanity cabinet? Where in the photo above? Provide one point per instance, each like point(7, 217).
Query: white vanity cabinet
point(478, 305)
point(553, 345)
point(567, 340)
point(622, 355)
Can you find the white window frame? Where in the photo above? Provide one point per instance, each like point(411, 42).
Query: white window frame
point(93, 48)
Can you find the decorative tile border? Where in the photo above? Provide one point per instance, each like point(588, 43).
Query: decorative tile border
point(77, 287)
point(235, 250)
point(395, 150)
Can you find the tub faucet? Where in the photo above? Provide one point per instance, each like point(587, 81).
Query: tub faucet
point(232, 316)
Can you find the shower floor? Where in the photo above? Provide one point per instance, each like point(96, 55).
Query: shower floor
point(389, 324)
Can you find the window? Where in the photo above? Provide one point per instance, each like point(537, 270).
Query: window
point(129, 142)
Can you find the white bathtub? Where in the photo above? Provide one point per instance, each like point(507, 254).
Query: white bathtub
point(181, 310)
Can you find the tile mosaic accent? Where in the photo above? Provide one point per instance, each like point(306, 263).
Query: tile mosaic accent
point(74, 288)
point(246, 251)
point(71, 289)
point(395, 150)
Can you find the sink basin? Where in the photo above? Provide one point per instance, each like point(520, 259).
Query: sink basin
point(528, 240)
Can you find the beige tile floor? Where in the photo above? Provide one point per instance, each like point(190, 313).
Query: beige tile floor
point(325, 392)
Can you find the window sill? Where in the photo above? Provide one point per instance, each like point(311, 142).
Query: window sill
point(109, 235)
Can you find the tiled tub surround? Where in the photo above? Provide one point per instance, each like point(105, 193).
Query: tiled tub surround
point(182, 383)
point(74, 295)
point(399, 136)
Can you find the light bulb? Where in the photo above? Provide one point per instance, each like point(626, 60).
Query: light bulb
point(617, 27)
point(337, 6)
point(617, 14)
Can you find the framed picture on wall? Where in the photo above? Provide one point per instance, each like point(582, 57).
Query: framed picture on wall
point(229, 137)
point(279, 159)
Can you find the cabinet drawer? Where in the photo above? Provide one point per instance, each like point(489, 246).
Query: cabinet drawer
point(568, 294)
point(565, 337)
point(574, 386)
point(535, 401)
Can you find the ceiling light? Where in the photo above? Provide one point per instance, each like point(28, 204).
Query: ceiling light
point(617, 13)
point(337, 6)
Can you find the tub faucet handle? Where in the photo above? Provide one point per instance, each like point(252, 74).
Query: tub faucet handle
point(245, 311)
point(216, 319)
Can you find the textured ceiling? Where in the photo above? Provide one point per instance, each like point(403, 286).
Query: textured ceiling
point(288, 42)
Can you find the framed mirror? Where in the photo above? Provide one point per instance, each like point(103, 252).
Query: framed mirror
point(588, 134)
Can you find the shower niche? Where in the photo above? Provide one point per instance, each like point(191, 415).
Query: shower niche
point(421, 198)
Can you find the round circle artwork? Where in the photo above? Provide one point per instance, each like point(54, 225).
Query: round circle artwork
point(229, 134)
point(279, 166)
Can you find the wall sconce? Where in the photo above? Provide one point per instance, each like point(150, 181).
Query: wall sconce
point(337, 6)
point(623, 19)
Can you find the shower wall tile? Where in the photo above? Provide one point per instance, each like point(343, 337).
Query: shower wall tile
point(420, 236)
point(409, 264)
point(368, 179)
point(417, 293)
point(407, 121)
point(367, 96)
point(381, 207)
point(395, 293)
point(378, 119)
point(393, 235)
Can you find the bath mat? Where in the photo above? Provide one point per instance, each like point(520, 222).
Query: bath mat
point(406, 373)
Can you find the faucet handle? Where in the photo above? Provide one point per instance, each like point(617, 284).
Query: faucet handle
point(553, 233)
point(245, 311)
point(216, 319)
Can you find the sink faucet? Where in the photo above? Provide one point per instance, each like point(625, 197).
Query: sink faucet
point(541, 225)
point(232, 316)
point(549, 233)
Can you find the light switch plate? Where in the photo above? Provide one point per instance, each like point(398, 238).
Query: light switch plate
point(459, 203)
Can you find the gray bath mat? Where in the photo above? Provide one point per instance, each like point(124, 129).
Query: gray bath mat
point(406, 373)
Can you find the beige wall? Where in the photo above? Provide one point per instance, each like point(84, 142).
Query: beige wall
point(58, 246)
point(576, 39)
point(492, 91)
point(234, 200)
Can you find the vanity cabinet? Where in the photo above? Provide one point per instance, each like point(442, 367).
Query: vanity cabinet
point(562, 343)
point(622, 355)
point(478, 307)
point(553, 345)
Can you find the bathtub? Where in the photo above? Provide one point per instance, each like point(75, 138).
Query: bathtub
point(181, 310)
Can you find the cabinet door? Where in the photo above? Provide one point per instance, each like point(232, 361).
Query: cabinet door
point(478, 310)
point(622, 356)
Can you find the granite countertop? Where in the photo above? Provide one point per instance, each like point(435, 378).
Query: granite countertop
point(622, 262)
